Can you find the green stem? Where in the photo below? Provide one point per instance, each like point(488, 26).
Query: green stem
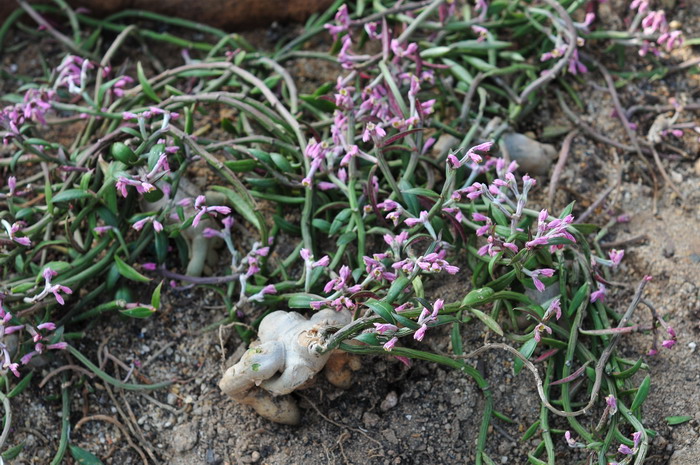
point(113, 381)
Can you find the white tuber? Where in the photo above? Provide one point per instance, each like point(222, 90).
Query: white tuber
point(281, 361)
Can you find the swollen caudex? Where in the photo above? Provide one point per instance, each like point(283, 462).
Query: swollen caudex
point(282, 360)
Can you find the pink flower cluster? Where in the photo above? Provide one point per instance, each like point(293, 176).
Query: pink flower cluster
point(547, 230)
point(36, 103)
point(655, 22)
point(38, 333)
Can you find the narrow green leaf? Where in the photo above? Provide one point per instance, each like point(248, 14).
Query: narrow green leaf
point(672, 421)
point(138, 312)
point(11, 453)
point(302, 300)
point(383, 309)
point(628, 372)
point(83, 457)
point(642, 393)
point(456, 338)
point(21, 386)
point(577, 300)
point(527, 350)
point(487, 320)
point(71, 194)
point(477, 296)
point(242, 206)
point(530, 432)
point(421, 191)
point(155, 297)
point(397, 288)
point(145, 85)
point(128, 272)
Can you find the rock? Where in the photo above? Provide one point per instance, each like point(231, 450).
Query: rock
point(389, 402)
point(184, 437)
point(534, 158)
point(689, 455)
point(370, 419)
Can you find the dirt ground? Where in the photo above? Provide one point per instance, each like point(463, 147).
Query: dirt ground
point(394, 414)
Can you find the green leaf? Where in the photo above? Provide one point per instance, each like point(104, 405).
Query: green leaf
point(145, 85)
point(383, 309)
point(478, 63)
point(487, 459)
point(368, 338)
point(242, 166)
point(281, 162)
point(672, 421)
point(527, 350)
point(21, 386)
point(319, 103)
point(435, 52)
point(128, 272)
point(477, 296)
point(83, 457)
point(346, 238)
point(456, 338)
point(340, 220)
point(12, 452)
point(628, 372)
point(138, 312)
point(642, 393)
point(155, 297)
point(302, 300)
point(530, 431)
point(397, 288)
point(71, 194)
point(421, 191)
point(567, 210)
point(123, 153)
point(242, 206)
point(487, 320)
point(585, 228)
point(577, 300)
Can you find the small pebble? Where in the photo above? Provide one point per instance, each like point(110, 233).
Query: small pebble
point(255, 456)
point(389, 401)
point(534, 158)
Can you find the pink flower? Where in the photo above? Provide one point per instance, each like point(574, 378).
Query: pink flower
point(599, 294)
point(616, 256)
point(308, 258)
point(554, 309)
point(612, 403)
point(58, 288)
point(420, 334)
point(422, 219)
point(481, 32)
point(669, 343)
point(569, 440)
point(391, 343)
point(382, 328)
point(455, 163)
point(11, 185)
point(539, 285)
point(539, 329)
point(623, 449)
point(373, 131)
point(202, 209)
